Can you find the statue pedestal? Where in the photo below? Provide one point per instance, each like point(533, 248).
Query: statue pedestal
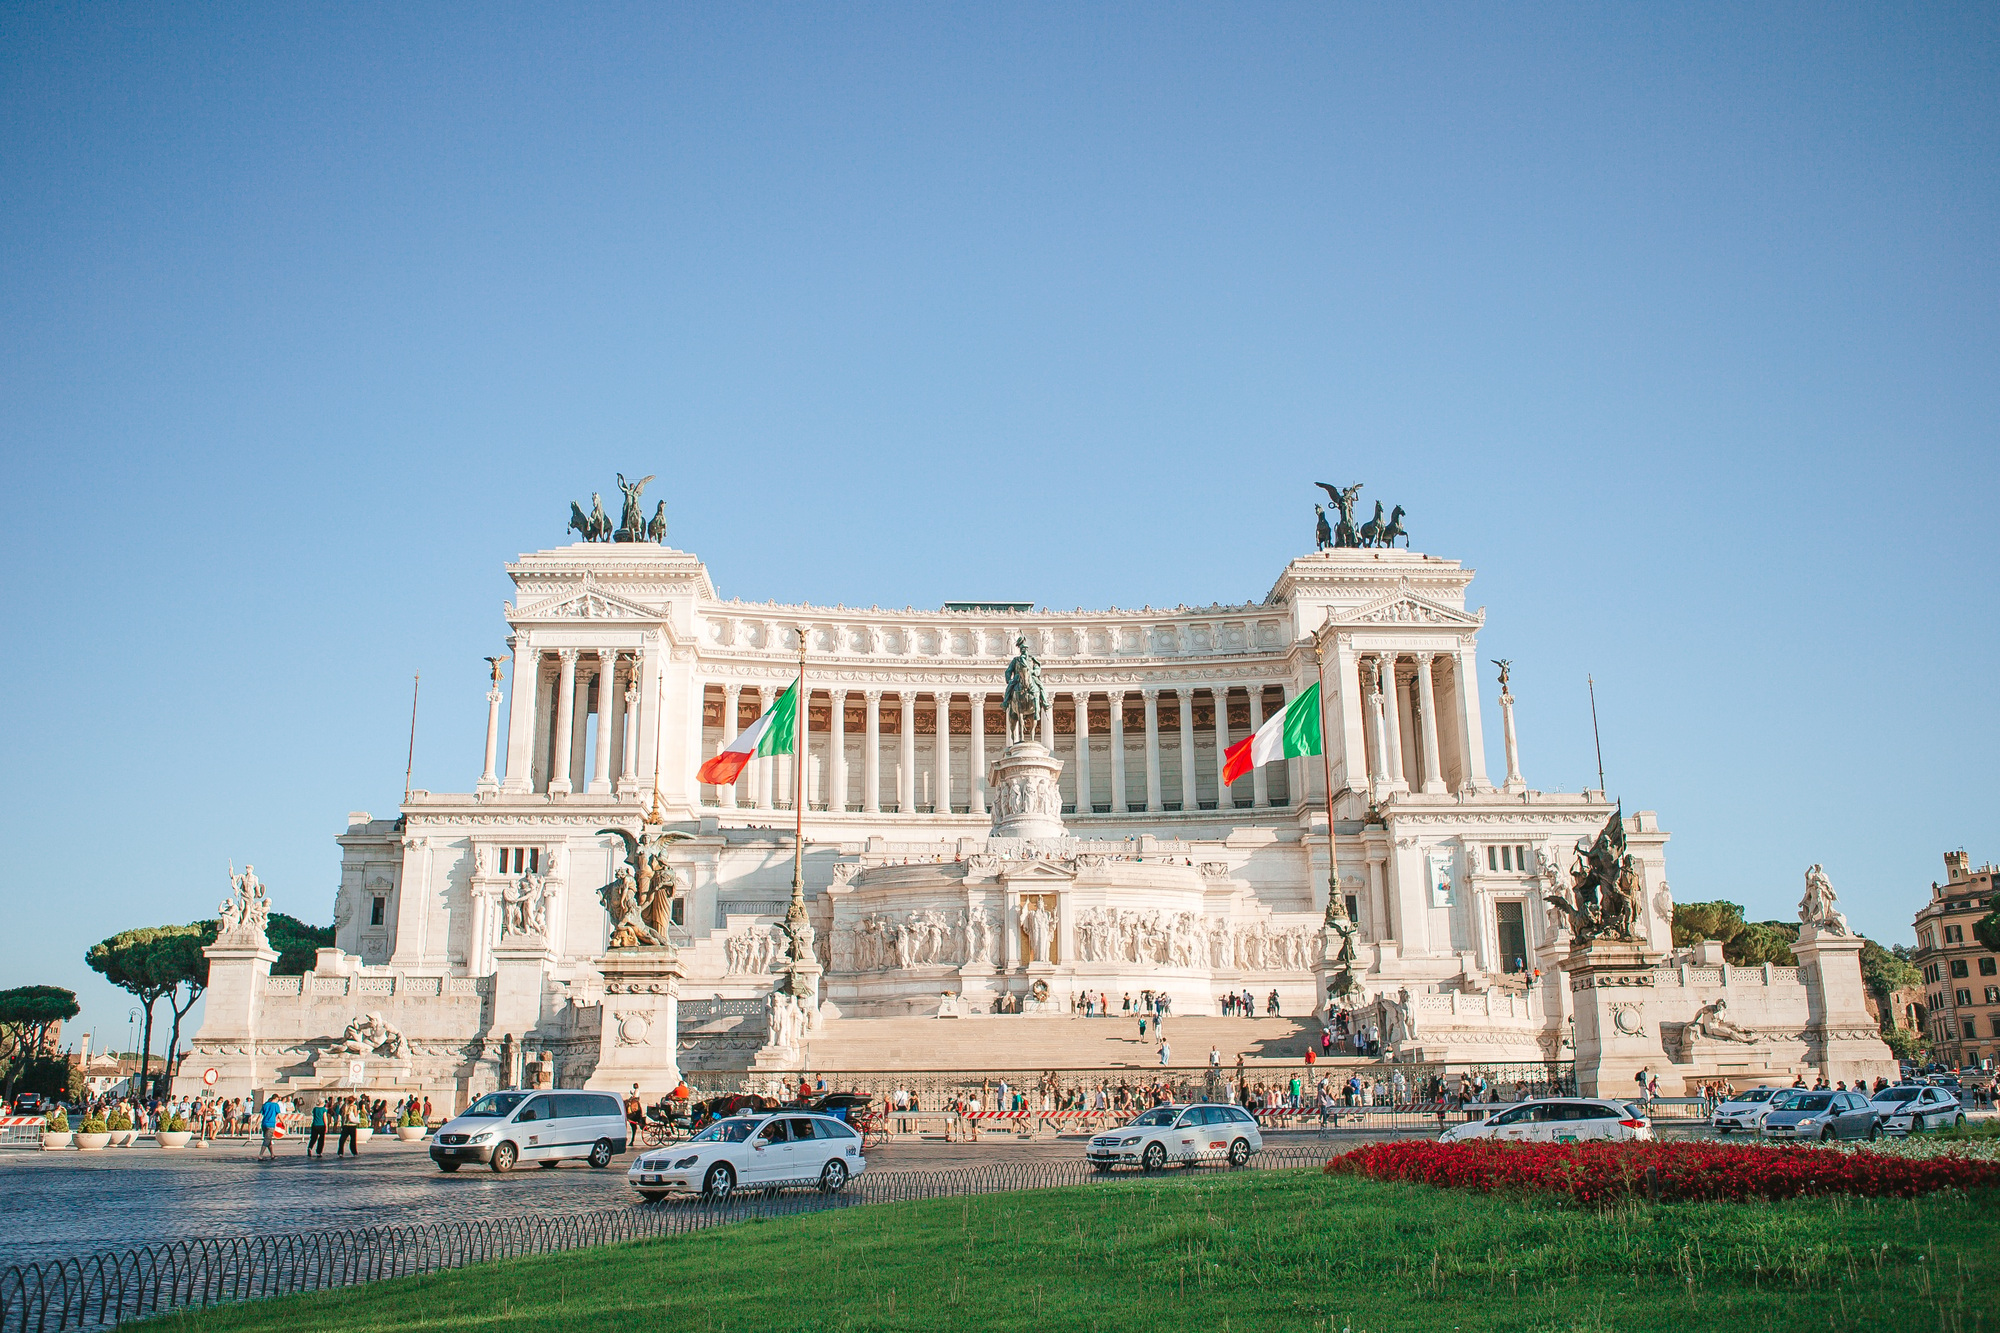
point(639, 1033)
point(1617, 1030)
point(520, 968)
point(1841, 1036)
point(1026, 801)
point(228, 1039)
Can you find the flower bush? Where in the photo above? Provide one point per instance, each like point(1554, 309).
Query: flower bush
point(1601, 1173)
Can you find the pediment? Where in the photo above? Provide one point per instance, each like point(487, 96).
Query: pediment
point(1041, 870)
point(1405, 607)
point(586, 601)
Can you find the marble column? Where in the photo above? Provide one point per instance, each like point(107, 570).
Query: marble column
point(942, 804)
point(1118, 804)
point(1392, 725)
point(976, 757)
point(559, 753)
point(1080, 700)
point(1260, 783)
point(1379, 770)
point(489, 781)
point(1152, 698)
point(607, 686)
point(1049, 726)
point(1515, 782)
point(1427, 723)
point(521, 720)
point(628, 730)
point(1190, 794)
point(1471, 735)
point(476, 942)
point(871, 755)
point(732, 709)
point(836, 750)
point(761, 798)
point(906, 752)
point(1223, 800)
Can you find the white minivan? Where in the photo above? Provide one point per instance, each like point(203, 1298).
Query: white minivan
point(544, 1127)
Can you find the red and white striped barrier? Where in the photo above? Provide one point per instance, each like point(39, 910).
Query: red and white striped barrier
point(13, 1121)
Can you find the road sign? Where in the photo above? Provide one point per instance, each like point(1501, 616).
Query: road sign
point(208, 1077)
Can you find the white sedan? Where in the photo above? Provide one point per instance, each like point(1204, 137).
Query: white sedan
point(761, 1151)
point(1187, 1134)
point(1556, 1120)
point(1743, 1110)
point(1910, 1107)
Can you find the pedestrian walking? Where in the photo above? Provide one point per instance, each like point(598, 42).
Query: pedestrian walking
point(1165, 1052)
point(635, 1114)
point(316, 1140)
point(350, 1122)
point(268, 1114)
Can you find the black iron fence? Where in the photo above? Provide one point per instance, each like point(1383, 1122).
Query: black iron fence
point(109, 1288)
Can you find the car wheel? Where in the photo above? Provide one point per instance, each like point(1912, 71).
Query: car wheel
point(720, 1182)
point(448, 1167)
point(600, 1154)
point(1239, 1152)
point(503, 1157)
point(1722, 1129)
point(1826, 1135)
point(833, 1177)
point(1874, 1130)
point(1959, 1123)
point(1155, 1157)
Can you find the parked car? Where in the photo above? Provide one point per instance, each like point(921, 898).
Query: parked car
point(1209, 1132)
point(1557, 1120)
point(503, 1128)
point(761, 1151)
point(1801, 1113)
point(1915, 1107)
point(1743, 1110)
point(31, 1103)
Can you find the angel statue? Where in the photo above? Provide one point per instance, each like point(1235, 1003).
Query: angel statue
point(640, 897)
point(631, 523)
point(1344, 532)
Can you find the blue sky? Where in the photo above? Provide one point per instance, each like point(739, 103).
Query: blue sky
point(1677, 323)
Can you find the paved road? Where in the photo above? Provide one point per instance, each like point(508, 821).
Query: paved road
point(70, 1203)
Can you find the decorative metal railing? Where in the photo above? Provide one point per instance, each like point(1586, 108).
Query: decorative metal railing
point(109, 1288)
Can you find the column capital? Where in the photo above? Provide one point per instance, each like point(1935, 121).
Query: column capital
point(1115, 694)
point(837, 695)
point(568, 656)
point(977, 696)
point(1152, 692)
point(872, 696)
point(767, 692)
point(1424, 659)
point(732, 689)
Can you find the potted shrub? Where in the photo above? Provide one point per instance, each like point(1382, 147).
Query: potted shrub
point(411, 1127)
point(94, 1134)
point(174, 1132)
point(120, 1127)
point(55, 1130)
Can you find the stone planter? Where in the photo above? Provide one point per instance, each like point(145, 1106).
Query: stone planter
point(92, 1142)
point(56, 1140)
point(409, 1133)
point(362, 1135)
point(175, 1138)
point(124, 1138)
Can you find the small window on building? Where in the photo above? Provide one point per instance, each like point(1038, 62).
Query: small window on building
point(1971, 1029)
point(1964, 997)
point(1993, 995)
point(377, 910)
point(1987, 967)
point(1492, 857)
point(1958, 968)
point(1353, 907)
point(1954, 934)
point(1506, 858)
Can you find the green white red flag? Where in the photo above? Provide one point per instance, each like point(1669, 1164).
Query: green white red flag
point(1286, 735)
point(774, 733)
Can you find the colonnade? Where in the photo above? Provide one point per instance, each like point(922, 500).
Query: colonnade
point(1406, 747)
point(1179, 777)
point(556, 692)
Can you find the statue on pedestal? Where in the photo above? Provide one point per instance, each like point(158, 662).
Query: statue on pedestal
point(640, 897)
point(1026, 700)
point(1817, 908)
point(245, 913)
point(1708, 1021)
point(631, 522)
point(1603, 897)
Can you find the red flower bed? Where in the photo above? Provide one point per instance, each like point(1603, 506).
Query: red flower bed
point(1608, 1172)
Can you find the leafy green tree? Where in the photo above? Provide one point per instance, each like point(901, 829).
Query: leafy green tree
point(1695, 922)
point(296, 943)
point(1905, 1044)
point(131, 961)
point(1762, 942)
point(27, 1014)
point(1883, 973)
point(1987, 930)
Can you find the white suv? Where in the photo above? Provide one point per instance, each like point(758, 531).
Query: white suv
point(1909, 1106)
point(520, 1125)
point(1186, 1134)
point(757, 1151)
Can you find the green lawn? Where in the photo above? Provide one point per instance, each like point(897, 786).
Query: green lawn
point(1268, 1250)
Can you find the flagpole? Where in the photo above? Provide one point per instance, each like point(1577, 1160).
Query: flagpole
point(796, 925)
point(1326, 767)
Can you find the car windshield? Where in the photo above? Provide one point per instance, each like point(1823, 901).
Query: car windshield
point(1163, 1115)
point(1803, 1101)
point(1898, 1094)
point(494, 1105)
point(1754, 1095)
point(733, 1130)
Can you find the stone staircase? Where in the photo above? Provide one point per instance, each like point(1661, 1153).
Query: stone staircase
point(1034, 1041)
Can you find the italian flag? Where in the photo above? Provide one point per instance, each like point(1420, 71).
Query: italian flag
point(1285, 735)
point(774, 733)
